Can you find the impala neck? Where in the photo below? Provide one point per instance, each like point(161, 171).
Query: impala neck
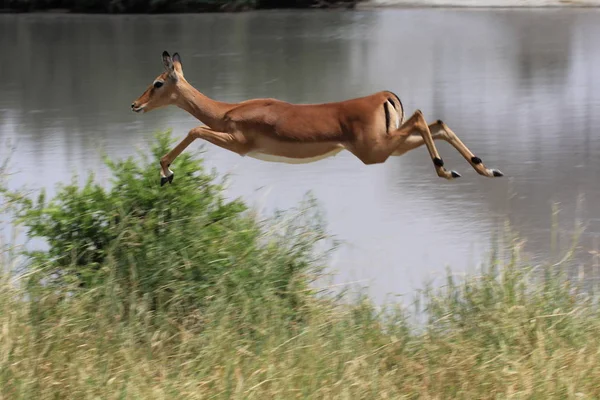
point(207, 110)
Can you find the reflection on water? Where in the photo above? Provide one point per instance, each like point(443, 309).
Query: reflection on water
point(521, 88)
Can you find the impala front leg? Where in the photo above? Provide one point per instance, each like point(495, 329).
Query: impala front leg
point(229, 141)
point(166, 175)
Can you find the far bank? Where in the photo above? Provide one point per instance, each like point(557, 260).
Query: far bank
point(203, 6)
point(165, 6)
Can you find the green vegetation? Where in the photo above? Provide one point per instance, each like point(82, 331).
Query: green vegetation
point(147, 292)
point(165, 6)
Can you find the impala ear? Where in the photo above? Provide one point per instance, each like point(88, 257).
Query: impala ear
point(168, 63)
point(177, 63)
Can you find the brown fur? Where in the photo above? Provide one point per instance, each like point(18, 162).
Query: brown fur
point(371, 127)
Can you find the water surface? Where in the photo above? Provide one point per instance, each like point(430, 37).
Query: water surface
point(521, 88)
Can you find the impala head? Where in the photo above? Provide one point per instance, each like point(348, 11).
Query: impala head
point(164, 90)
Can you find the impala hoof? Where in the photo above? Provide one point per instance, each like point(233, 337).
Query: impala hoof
point(497, 172)
point(455, 174)
point(165, 179)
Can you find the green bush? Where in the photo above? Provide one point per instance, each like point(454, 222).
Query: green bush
point(182, 244)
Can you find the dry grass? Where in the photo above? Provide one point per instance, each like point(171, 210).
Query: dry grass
point(493, 336)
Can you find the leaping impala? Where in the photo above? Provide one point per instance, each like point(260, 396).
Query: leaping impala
point(371, 127)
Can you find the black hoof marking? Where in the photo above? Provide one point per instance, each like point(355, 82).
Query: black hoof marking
point(476, 160)
point(165, 179)
point(438, 162)
point(497, 172)
point(455, 174)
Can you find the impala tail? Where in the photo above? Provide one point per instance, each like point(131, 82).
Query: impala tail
point(394, 112)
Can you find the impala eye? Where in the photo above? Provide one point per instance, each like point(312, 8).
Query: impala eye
point(158, 84)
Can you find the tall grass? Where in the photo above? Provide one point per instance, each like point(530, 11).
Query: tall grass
point(252, 326)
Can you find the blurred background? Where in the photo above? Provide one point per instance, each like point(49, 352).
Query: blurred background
point(520, 87)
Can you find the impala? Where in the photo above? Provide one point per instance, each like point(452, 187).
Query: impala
point(372, 127)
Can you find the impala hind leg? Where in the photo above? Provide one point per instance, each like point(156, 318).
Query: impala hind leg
point(419, 125)
point(402, 137)
point(378, 149)
point(439, 131)
point(442, 130)
point(227, 141)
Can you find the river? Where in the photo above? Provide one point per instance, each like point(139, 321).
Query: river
point(521, 88)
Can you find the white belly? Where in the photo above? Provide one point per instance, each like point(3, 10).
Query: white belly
point(292, 160)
